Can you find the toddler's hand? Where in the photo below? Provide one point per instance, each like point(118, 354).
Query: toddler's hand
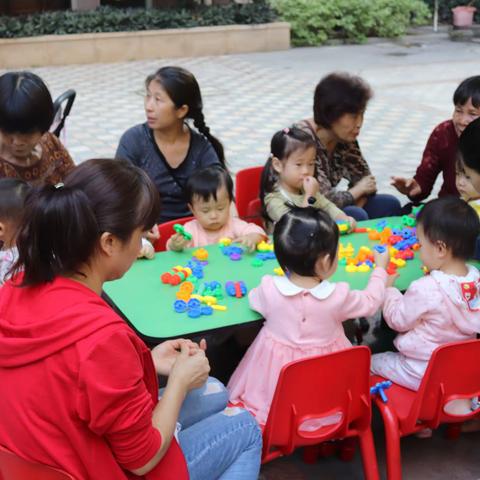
point(153, 234)
point(310, 186)
point(407, 186)
point(249, 241)
point(178, 242)
point(382, 259)
point(391, 279)
point(147, 250)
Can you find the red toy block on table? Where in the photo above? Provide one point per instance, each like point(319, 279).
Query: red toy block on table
point(391, 269)
point(175, 276)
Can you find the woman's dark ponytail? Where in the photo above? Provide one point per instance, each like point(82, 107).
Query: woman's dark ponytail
point(62, 224)
point(59, 233)
point(199, 122)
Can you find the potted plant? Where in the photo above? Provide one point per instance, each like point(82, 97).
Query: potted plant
point(463, 15)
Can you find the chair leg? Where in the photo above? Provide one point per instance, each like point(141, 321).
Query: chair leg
point(392, 441)
point(369, 456)
point(453, 431)
point(310, 454)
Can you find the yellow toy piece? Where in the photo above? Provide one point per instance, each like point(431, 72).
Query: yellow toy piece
point(185, 296)
point(392, 251)
point(222, 308)
point(399, 262)
point(363, 268)
point(186, 287)
point(209, 300)
point(351, 268)
point(279, 271)
point(225, 242)
point(343, 227)
point(264, 246)
point(200, 254)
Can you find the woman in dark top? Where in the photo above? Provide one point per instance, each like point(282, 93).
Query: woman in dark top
point(165, 146)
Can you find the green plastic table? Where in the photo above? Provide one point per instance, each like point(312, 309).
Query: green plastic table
point(147, 303)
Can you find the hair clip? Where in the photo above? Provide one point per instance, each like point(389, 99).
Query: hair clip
point(59, 185)
point(286, 130)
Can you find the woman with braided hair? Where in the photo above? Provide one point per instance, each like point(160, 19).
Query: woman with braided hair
point(165, 146)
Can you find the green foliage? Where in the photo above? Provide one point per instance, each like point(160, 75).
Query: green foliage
point(445, 8)
point(109, 19)
point(313, 22)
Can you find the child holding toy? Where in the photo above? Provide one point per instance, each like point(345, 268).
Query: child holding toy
point(441, 149)
point(303, 311)
point(12, 202)
point(289, 178)
point(209, 194)
point(441, 307)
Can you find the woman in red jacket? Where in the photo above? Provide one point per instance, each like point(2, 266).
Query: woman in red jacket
point(79, 388)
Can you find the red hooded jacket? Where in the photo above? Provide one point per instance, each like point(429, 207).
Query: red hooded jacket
point(78, 387)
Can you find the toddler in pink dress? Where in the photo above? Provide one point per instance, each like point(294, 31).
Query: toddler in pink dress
point(303, 311)
point(210, 194)
point(441, 307)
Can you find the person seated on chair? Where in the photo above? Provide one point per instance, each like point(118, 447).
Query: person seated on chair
point(166, 147)
point(339, 105)
point(441, 307)
point(28, 151)
point(79, 387)
point(209, 193)
point(440, 152)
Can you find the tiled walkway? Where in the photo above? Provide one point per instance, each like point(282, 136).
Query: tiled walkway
point(248, 97)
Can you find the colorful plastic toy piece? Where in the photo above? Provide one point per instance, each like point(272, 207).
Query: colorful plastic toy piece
point(206, 310)
point(235, 257)
point(193, 303)
point(279, 271)
point(200, 254)
point(222, 308)
point(407, 220)
point(343, 227)
point(176, 276)
point(265, 246)
point(351, 268)
point(361, 230)
point(379, 248)
point(225, 242)
point(180, 306)
point(379, 389)
point(236, 289)
point(391, 269)
point(266, 256)
point(363, 268)
point(181, 230)
point(256, 262)
point(373, 235)
point(416, 210)
point(195, 312)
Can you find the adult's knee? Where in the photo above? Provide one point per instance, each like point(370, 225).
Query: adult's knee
point(357, 213)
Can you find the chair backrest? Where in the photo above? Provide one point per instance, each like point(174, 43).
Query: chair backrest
point(317, 399)
point(61, 113)
point(13, 467)
point(453, 372)
point(166, 231)
point(254, 212)
point(247, 188)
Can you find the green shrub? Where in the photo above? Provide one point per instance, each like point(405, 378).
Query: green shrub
point(109, 19)
point(445, 8)
point(313, 22)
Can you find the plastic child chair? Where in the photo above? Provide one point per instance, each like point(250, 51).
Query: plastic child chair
point(60, 113)
point(13, 467)
point(254, 212)
point(166, 231)
point(452, 373)
point(247, 189)
point(322, 398)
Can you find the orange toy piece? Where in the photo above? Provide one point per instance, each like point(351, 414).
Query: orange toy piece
point(374, 235)
point(385, 235)
point(200, 254)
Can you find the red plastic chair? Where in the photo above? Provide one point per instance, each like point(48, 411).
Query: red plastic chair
point(308, 390)
point(453, 372)
point(254, 213)
point(13, 467)
point(166, 231)
point(247, 189)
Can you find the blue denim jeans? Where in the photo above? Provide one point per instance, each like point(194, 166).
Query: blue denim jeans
point(377, 206)
point(218, 442)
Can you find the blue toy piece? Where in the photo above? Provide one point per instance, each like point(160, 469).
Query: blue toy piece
point(231, 288)
point(234, 252)
point(369, 263)
point(379, 248)
point(378, 389)
point(397, 231)
point(180, 306)
point(206, 310)
point(381, 225)
point(195, 312)
point(193, 303)
point(266, 256)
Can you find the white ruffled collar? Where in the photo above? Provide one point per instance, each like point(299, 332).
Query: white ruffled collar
point(287, 288)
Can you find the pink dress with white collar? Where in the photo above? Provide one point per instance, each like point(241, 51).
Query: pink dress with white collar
point(299, 323)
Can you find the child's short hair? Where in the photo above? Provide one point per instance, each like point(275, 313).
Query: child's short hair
point(25, 103)
point(452, 221)
point(206, 182)
point(469, 88)
point(12, 198)
point(469, 145)
point(301, 237)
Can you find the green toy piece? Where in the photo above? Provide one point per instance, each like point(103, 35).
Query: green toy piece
point(256, 262)
point(416, 210)
point(181, 230)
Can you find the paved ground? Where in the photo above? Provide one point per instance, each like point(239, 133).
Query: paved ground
point(247, 98)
